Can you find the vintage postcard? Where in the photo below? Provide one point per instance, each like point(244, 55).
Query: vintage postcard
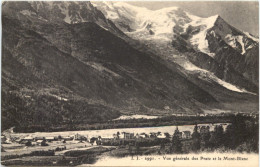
point(130, 83)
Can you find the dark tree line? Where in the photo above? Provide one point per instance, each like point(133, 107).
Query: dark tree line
point(241, 135)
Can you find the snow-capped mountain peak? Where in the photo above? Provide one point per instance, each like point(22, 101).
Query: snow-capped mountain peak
point(169, 29)
point(156, 24)
point(164, 23)
point(139, 18)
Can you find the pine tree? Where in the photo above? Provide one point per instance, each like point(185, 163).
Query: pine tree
point(205, 136)
point(196, 139)
point(176, 142)
point(218, 135)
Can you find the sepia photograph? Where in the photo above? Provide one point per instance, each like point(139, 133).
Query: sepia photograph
point(130, 83)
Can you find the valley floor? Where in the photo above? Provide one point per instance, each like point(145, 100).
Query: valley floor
point(64, 148)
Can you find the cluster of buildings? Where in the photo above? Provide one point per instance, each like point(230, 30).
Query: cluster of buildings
point(182, 135)
point(42, 141)
point(127, 135)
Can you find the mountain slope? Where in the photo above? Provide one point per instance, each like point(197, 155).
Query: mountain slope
point(61, 74)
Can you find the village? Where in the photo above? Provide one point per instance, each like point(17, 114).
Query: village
point(11, 142)
point(31, 141)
